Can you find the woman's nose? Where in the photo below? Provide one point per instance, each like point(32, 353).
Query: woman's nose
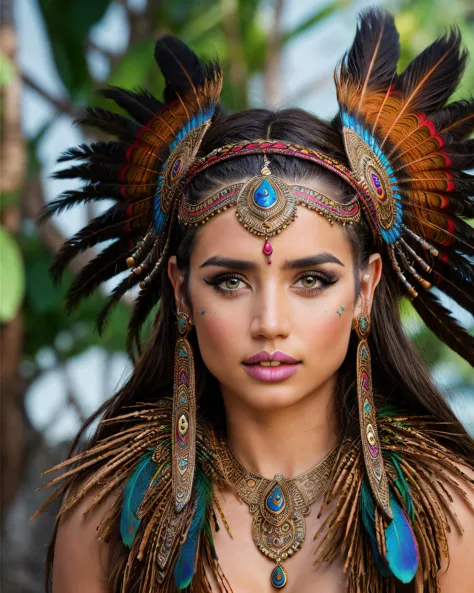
point(270, 314)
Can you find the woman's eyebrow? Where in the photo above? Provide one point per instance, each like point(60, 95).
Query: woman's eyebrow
point(293, 264)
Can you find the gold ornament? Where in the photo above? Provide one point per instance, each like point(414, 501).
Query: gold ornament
point(279, 506)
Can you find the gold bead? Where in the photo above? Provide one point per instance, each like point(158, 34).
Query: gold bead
point(130, 261)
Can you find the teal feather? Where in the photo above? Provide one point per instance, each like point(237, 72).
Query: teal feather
point(133, 494)
point(402, 556)
point(402, 486)
point(367, 509)
point(186, 564)
point(402, 549)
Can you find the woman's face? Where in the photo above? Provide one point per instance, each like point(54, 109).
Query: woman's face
point(245, 306)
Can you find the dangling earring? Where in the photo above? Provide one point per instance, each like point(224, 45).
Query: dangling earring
point(184, 416)
point(367, 417)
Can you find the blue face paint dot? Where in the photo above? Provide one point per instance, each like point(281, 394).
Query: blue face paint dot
point(203, 311)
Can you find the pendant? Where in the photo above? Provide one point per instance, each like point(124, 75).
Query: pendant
point(268, 250)
point(278, 527)
point(278, 507)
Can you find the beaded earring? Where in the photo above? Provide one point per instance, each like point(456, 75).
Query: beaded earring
point(184, 416)
point(367, 418)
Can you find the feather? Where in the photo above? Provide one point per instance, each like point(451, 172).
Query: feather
point(372, 59)
point(110, 262)
point(181, 68)
point(186, 564)
point(402, 548)
point(402, 485)
point(367, 512)
point(430, 79)
point(443, 324)
point(112, 123)
point(142, 106)
point(133, 494)
point(456, 119)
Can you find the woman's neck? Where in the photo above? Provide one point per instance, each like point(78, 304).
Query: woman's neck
point(288, 441)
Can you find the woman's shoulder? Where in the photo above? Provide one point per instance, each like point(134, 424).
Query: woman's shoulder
point(83, 560)
point(457, 570)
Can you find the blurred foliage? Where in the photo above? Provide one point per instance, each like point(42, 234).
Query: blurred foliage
point(12, 274)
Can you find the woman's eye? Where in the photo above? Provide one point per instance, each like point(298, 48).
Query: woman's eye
point(311, 281)
point(231, 283)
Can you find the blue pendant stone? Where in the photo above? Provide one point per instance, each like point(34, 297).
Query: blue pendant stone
point(265, 196)
point(278, 577)
point(275, 500)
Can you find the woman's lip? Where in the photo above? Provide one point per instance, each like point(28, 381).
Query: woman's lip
point(269, 373)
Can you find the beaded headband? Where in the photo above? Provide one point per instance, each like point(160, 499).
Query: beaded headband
point(266, 204)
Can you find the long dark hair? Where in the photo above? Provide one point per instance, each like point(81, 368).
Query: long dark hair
point(399, 377)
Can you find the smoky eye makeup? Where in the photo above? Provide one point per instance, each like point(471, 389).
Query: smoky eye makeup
point(320, 280)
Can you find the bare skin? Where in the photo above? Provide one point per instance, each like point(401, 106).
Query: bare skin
point(284, 427)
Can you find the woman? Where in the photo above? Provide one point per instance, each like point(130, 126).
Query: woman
point(277, 376)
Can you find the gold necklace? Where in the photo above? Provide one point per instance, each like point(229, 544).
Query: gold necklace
point(279, 506)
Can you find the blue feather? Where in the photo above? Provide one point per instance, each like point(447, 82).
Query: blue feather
point(402, 550)
point(133, 494)
point(367, 509)
point(186, 564)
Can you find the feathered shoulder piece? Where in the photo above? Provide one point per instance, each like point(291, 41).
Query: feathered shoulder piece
point(409, 149)
point(420, 472)
point(142, 172)
point(165, 551)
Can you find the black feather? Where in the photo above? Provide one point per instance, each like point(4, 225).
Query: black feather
point(455, 278)
point(461, 154)
point(180, 66)
point(141, 106)
point(110, 262)
point(100, 172)
point(442, 323)
point(106, 152)
point(456, 119)
point(122, 127)
point(109, 225)
point(376, 36)
point(70, 198)
point(431, 78)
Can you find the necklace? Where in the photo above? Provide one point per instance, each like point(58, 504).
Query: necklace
point(278, 506)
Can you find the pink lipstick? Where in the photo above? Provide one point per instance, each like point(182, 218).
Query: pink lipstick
point(288, 365)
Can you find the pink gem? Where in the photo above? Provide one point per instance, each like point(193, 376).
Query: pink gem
point(267, 248)
point(269, 261)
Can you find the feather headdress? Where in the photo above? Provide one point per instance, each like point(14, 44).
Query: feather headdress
point(409, 149)
point(141, 172)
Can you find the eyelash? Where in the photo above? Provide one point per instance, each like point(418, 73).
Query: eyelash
point(326, 280)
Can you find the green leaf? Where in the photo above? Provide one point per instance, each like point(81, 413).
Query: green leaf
point(7, 69)
point(12, 279)
point(68, 25)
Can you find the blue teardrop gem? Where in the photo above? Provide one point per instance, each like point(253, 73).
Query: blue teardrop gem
point(278, 577)
point(265, 196)
point(275, 501)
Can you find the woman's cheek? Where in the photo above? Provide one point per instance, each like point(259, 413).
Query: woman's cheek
point(217, 336)
point(330, 334)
